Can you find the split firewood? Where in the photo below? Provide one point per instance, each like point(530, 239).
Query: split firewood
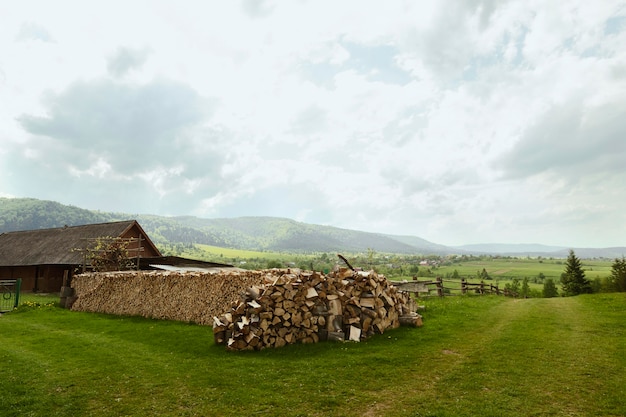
point(256, 309)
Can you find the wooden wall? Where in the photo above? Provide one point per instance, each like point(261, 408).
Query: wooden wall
point(41, 278)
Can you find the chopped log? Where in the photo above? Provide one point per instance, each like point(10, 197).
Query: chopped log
point(366, 323)
point(335, 323)
point(414, 320)
point(336, 336)
point(334, 307)
point(280, 342)
point(311, 293)
point(355, 334)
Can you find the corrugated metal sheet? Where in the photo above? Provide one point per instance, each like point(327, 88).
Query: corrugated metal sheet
point(175, 268)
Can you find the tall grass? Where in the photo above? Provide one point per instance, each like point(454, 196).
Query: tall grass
point(473, 356)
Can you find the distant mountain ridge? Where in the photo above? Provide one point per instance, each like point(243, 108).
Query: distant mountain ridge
point(535, 249)
point(261, 233)
point(251, 233)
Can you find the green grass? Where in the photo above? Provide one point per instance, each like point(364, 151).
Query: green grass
point(499, 268)
point(212, 251)
point(474, 356)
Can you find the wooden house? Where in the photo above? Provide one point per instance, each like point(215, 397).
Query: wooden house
point(42, 258)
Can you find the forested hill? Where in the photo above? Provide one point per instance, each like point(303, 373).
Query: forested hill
point(253, 233)
point(260, 233)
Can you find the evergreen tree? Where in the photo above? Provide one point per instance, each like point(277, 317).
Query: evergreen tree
point(618, 275)
point(549, 289)
point(573, 279)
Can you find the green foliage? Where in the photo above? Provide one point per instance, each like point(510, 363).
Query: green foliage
point(483, 274)
point(425, 273)
point(30, 214)
point(513, 286)
point(35, 305)
point(549, 289)
point(252, 233)
point(525, 290)
point(617, 280)
point(274, 264)
point(110, 254)
point(573, 280)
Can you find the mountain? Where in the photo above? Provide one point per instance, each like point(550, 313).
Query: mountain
point(252, 233)
point(503, 248)
point(263, 233)
point(534, 249)
point(279, 234)
point(29, 213)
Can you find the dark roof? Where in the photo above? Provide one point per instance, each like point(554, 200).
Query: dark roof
point(58, 246)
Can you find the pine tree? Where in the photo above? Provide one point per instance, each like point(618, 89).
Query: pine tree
point(618, 275)
point(549, 289)
point(573, 279)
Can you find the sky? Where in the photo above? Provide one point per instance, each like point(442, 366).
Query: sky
point(456, 121)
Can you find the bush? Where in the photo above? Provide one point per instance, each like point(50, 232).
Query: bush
point(549, 289)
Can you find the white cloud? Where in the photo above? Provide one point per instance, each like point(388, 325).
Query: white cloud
point(459, 123)
point(30, 31)
point(126, 59)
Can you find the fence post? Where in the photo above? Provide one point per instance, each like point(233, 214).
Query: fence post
point(439, 286)
point(18, 288)
point(463, 286)
point(482, 287)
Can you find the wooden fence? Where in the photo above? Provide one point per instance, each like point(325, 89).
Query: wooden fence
point(441, 288)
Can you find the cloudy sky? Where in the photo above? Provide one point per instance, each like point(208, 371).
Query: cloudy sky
point(456, 121)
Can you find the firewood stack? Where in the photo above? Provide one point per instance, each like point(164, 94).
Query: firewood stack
point(185, 296)
point(306, 307)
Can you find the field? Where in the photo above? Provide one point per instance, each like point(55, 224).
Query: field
point(216, 251)
point(498, 268)
point(487, 356)
point(502, 268)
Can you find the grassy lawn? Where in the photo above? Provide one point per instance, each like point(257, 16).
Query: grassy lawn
point(487, 356)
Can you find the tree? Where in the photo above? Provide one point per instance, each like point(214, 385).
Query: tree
point(273, 263)
point(110, 254)
point(525, 288)
point(549, 288)
point(513, 287)
point(618, 275)
point(541, 277)
point(573, 281)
